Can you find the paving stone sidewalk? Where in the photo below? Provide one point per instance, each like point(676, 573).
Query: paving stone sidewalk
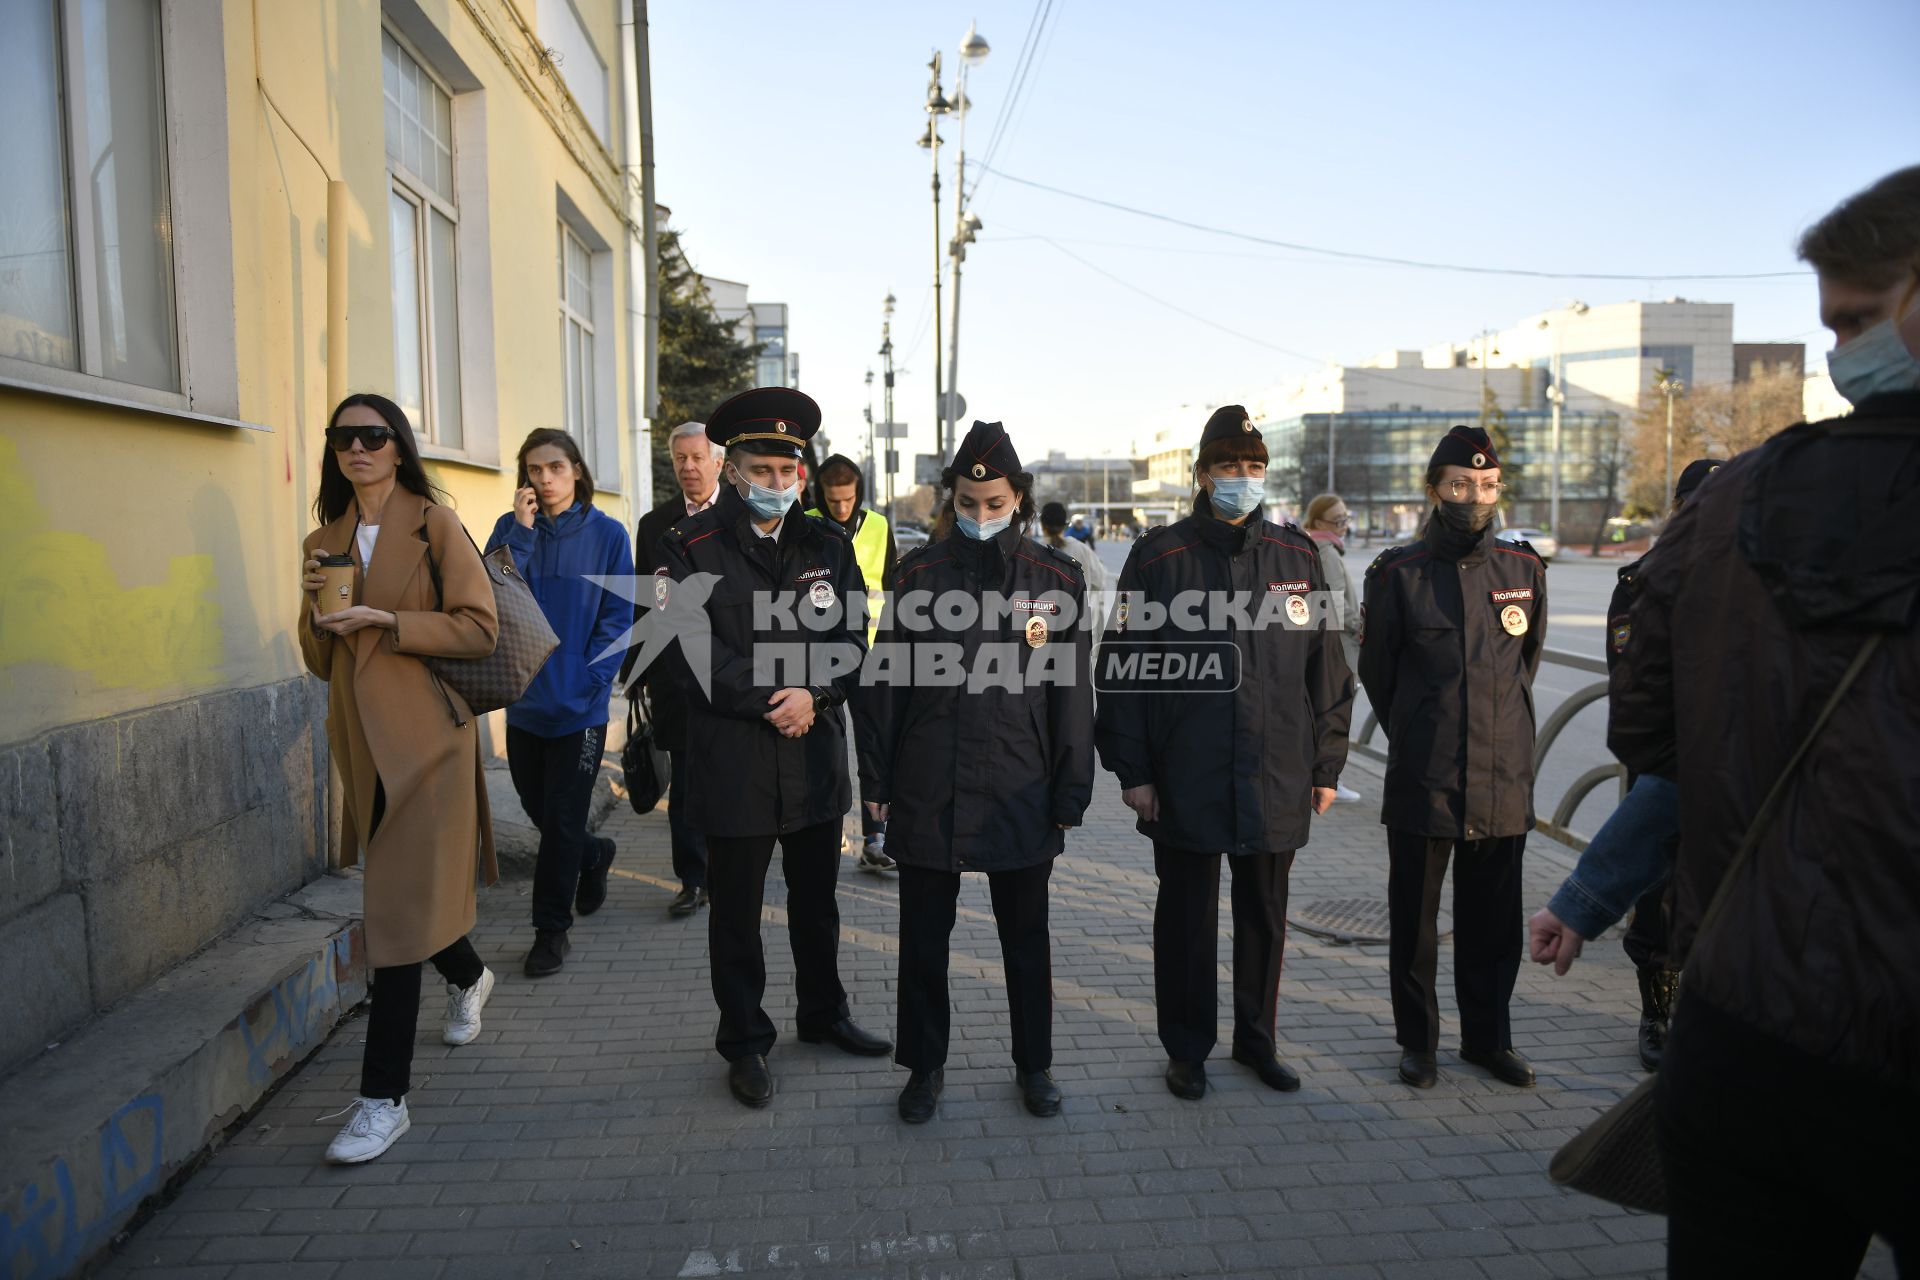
point(589, 1131)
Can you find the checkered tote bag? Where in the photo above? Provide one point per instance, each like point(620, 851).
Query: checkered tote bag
point(525, 641)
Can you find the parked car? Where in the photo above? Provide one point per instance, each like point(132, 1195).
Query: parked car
point(908, 536)
point(1544, 544)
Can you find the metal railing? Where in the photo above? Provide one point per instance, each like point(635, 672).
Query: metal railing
point(1562, 716)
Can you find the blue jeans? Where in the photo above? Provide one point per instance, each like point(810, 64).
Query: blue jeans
point(1633, 852)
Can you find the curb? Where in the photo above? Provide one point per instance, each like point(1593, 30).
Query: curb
point(103, 1122)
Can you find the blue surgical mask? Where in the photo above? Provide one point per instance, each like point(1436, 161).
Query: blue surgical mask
point(981, 531)
point(1235, 496)
point(1876, 361)
point(769, 504)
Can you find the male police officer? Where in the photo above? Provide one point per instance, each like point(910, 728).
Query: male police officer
point(1234, 765)
point(766, 744)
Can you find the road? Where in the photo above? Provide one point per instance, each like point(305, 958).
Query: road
point(1578, 588)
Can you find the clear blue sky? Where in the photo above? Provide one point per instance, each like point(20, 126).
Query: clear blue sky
point(1617, 137)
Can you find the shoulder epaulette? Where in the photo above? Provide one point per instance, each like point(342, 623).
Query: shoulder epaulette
point(1387, 559)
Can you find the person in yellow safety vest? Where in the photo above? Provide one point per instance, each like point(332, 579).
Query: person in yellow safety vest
point(842, 497)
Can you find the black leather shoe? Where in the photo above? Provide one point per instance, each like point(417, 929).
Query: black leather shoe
point(1507, 1066)
point(1418, 1069)
point(591, 894)
point(1187, 1080)
point(750, 1080)
point(686, 902)
point(1273, 1073)
point(922, 1091)
point(1039, 1092)
point(550, 948)
point(846, 1034)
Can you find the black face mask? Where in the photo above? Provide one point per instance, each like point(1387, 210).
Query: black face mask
point(1467, 517)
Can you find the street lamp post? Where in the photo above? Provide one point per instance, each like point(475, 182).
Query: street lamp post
point(1557, 397)
point(1672, 386)
point(873, 474)
point(886, 393)
point(966, 225)
point(937, 106)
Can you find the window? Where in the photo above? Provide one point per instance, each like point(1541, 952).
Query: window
point(423, 219)
point(578, 368)
point(86, 229)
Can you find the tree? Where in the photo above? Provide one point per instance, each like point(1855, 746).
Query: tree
point(1708, 422)
point(1493, 420)
point(701, 361)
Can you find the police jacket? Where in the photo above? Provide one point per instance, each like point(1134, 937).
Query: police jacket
point(1756, 599)
point(1452, 634)
point(984, 766)
point(743, 777)
point(663, 690)
point(1233, 767)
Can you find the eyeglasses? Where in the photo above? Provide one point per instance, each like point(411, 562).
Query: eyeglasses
point(1488, 491)
point(372, 439)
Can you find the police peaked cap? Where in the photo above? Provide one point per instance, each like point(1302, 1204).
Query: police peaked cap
point(775, 421)
point(1693, 477)
point(986, 454)
point(1465, 447)
point(1229, 422)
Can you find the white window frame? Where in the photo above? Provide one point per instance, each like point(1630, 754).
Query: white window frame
point(418, 192)
point(193, 80)
point(600, 443)
point(579, 421)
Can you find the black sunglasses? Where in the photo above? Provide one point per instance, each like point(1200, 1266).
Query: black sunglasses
point(372, 439)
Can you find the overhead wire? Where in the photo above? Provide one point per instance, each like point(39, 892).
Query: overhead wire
point(1384, 259)
point(1022, 72)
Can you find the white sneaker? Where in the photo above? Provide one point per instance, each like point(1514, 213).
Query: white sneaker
point(376, 1125)
point(1347, 795)
point(463, 1009)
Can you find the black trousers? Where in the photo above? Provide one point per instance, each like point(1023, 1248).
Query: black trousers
point(1488, 933)
point(1778, 1163)
point(689, 846)
point(1186, 937)
point(1645, 940)
point(737, 886)
point(555, 778)
point(928, 900)
point(393, 1016)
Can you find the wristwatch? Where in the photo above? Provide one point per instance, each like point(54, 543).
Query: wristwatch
point(822, 699)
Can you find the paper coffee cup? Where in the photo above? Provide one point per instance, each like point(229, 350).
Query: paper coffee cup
point(337, 594)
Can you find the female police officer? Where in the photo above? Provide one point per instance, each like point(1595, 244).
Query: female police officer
point(985, 768)
point(1230, 762)
point(1452, 635)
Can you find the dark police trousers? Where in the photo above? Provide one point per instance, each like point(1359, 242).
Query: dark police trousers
point(393, 1016)
point(1487, 936)
point(1186, 939)
point(689, 846)
point(736, 888)
point(927, 908)
point(555, 779)
point(1645, 940)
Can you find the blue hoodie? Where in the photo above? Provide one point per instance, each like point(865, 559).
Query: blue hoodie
point(571, 692)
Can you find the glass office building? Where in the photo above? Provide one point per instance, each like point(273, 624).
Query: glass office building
point(1377, 462)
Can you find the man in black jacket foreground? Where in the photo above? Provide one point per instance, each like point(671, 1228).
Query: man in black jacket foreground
point(1789, 1094)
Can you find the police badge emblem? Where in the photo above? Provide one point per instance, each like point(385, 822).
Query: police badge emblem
point(1036, 631)
point(1297, 612)
point(821, 593)
point(1514, 619)
point(661, 585)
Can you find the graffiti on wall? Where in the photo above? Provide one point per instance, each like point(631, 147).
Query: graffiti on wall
point(64, 605)
point(60, 1225)
point(296, 1011)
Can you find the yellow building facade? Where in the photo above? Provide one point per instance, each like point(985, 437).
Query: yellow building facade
point(225, 215)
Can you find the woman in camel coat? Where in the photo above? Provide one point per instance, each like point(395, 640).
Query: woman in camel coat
point(406, 746)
